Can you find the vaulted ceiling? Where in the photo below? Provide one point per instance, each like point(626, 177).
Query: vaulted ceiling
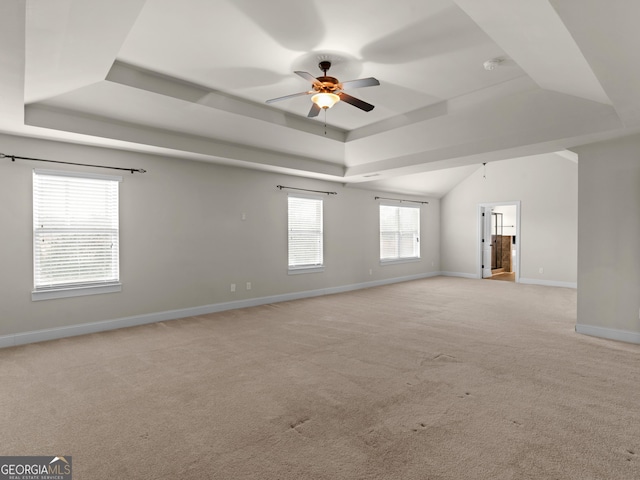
point(189, 79)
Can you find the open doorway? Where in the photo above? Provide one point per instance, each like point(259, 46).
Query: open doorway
point(499, 245)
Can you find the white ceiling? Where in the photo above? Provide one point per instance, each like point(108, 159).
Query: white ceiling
point(190, 79)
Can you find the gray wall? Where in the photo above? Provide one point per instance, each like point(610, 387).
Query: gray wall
point(183, 240)
point(547, 187)
point(609, 247)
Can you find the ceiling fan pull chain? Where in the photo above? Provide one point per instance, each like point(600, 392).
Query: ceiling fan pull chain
point(325, 121)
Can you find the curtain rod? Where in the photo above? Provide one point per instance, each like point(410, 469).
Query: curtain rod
point(399, 200)
point(306, 190)
point(14, 157)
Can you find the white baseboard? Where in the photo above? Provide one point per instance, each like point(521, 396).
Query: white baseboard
point(530, 281)
point(548, 283)
point(103, 326)
point(609, 333)
point(459, 274)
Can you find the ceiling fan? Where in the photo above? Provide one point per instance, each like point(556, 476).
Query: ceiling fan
point(327, 91)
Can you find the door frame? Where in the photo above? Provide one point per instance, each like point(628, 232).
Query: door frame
point(481, 228)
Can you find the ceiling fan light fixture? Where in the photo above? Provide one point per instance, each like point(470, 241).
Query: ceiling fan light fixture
point(325, 100)
point(327, 91)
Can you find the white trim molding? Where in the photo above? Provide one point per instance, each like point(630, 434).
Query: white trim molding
point(106, 325)
point(459, 274)
point(609, 333)
point(76, 291)
point(548, 283)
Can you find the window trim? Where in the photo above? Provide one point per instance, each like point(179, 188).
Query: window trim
point(299, 270)
point(311, 268)
point(74, 289)
point(400, 260)
point(65, 173)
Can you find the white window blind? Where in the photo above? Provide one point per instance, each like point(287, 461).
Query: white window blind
point(75, 230)
point(399, 232)
point(305, 232)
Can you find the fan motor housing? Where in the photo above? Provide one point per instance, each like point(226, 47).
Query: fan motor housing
point(329, 84)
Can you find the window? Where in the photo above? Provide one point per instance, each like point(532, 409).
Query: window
point(75, 234)
point(305, 233)
point(399, 233)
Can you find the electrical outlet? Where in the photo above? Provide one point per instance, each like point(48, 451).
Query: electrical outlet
point(248, 285)
point(370, 271)
point(541, 270)
point(233, 287)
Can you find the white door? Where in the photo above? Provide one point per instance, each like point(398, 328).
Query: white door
point(486, 242)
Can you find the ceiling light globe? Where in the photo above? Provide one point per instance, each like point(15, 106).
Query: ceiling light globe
point(325, 100)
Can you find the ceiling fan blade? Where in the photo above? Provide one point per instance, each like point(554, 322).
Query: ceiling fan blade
point(356, 102)
point(315, 110)
point(287, 96)
point(308, 76)
point(361, 82)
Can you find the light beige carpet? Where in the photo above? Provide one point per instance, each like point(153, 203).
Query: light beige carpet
point(443, 378)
